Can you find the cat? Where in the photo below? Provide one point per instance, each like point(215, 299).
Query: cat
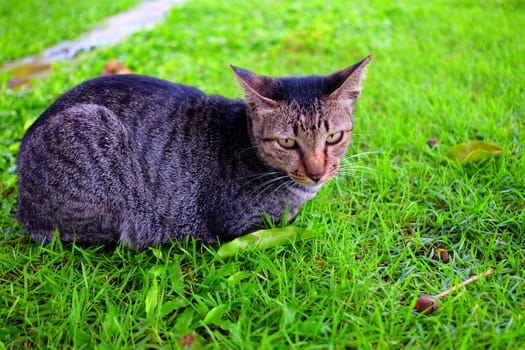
point(141, 161)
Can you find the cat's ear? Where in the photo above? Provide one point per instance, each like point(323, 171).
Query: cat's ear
point(346, 84)
point(258, 87)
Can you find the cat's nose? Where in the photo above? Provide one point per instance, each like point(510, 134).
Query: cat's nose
point(315, 176)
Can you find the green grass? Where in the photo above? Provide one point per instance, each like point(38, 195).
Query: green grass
point(451, 70)
point(27, 26)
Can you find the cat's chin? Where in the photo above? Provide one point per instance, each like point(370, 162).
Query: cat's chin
point(311, 189)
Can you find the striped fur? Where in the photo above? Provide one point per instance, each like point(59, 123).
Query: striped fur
point(143, 161)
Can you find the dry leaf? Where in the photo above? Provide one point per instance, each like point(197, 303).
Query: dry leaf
point(190, 342)
point(441, 254)
point(21, 74)
point(115, 67)
point(432, 142)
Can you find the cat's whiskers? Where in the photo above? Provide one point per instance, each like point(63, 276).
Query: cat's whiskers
point(356, 155)
point(264, 185)
point(351, 167)
point(253, 177)
point(262, 188)
point(248, 149)
point(286, 183)
point(347, 167)
point(352, 171)
point(250, 179)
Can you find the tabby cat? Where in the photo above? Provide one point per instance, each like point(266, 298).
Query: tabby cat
point(143, 161)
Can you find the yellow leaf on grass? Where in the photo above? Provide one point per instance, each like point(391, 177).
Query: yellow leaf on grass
point(473, 151)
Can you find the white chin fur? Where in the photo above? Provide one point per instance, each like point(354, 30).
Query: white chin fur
point(312, 188)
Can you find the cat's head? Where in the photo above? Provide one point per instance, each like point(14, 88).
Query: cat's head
point(303, 125)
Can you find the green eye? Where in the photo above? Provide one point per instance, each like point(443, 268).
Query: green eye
point(334, 138)
point(287, 143)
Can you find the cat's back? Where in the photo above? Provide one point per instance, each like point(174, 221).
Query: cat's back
point(127, 95)
point(126, 88)
point(147, 108)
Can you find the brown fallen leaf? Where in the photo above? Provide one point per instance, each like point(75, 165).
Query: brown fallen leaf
point(17, 83)
point(433, 142)
point(410, 230)
point(440, 254)
point(190, 342)
point(115, 67)
point(186, 340)
point(22, 73)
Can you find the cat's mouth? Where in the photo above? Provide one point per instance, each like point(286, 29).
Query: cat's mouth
point(308, 183)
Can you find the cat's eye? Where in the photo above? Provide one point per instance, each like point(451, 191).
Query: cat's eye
point(287, 143)
point(334, 138)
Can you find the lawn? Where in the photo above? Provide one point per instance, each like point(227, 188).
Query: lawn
point(27, 26)
point(446, 71)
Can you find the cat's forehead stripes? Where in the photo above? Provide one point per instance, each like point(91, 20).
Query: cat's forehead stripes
point(306, 119)
point(295, 130)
